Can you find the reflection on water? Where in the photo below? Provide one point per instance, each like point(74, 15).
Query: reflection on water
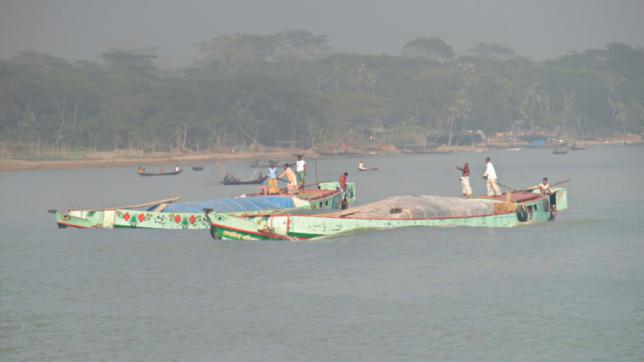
point(572, 289)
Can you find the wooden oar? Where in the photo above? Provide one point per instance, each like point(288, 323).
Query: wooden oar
point(506, 186)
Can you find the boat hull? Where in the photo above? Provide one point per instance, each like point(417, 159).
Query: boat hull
point(129, 218)
point(534, 209)
point(148, 174)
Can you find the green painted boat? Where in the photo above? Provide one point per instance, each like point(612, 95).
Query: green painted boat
point(102, 218)
point(171, 215)
point(507, 210)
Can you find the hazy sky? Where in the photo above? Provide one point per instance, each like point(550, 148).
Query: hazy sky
point(82, 29)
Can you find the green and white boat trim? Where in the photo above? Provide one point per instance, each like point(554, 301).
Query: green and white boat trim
point(170, 214)
point(508, 210)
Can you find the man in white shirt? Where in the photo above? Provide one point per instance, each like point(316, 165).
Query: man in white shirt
point(490, 176)
point(300, 170)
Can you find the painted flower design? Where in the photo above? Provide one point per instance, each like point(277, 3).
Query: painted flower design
point(126, 217)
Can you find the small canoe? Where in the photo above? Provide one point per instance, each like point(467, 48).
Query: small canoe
point(232, 181)
point(368, 169)
point(172, 173)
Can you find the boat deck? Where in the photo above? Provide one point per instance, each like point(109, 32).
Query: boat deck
point(417, 207)
point(521, 196)
point(306, 194)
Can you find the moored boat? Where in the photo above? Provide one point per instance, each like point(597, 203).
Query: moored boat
point(508, 210)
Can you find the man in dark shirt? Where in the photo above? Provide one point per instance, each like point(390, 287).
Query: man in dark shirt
point(465, 180)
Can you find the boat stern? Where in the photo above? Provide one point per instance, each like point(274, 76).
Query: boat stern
point(334, 185)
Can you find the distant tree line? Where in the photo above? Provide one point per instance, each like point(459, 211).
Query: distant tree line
point(292, 86)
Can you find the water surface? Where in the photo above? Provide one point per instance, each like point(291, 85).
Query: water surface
point(568, 290)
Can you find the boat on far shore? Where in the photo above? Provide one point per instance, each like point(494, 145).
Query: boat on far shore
point(560, 150)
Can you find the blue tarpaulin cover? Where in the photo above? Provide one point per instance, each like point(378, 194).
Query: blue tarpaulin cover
point(237, 204)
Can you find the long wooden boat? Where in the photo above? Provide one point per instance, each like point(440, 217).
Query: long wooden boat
point(233, 181)
point(508, 210)
point(170, 173)
point(172, 215)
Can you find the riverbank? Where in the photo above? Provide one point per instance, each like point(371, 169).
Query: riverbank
point(184, 160)
point(120, 158)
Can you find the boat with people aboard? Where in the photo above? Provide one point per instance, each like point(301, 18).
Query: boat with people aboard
point(507, 210)
point(172, 215)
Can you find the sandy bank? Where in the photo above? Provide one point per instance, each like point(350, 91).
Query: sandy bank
point(183, 160)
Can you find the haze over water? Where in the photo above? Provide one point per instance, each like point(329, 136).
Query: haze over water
point(568, 290)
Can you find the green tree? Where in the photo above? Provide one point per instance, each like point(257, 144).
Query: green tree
point(432, 48)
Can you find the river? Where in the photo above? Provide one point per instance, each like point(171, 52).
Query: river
point(568, 290)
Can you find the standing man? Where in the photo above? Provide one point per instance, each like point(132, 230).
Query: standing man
point(273, 188)
point(544, 187)
point(291, 179)
point(300, 169)
point(490, 175)
point(343, 186)
point(465, 180)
